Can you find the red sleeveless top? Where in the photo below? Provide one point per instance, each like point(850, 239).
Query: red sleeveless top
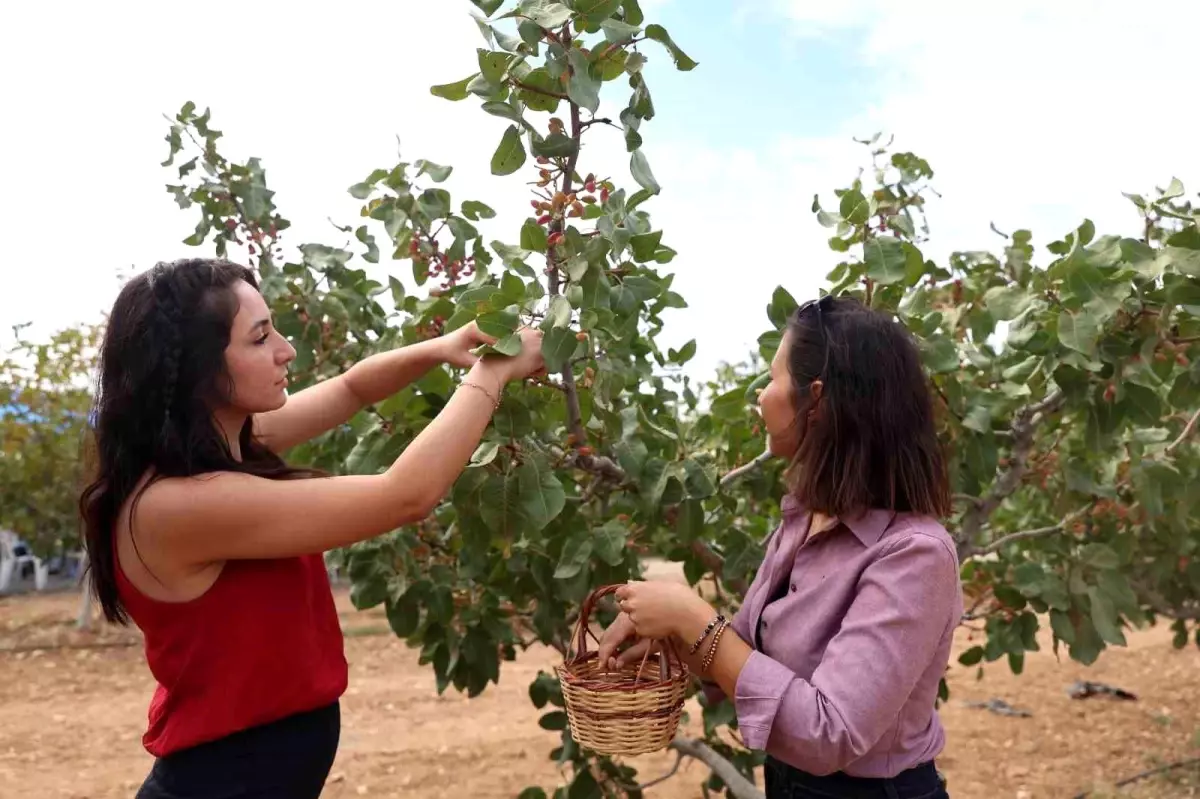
point(261, 644)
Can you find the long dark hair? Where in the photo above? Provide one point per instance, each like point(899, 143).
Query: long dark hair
point(871, 442)
point(162, 371)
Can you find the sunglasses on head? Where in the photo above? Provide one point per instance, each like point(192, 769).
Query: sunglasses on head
point(819, 305)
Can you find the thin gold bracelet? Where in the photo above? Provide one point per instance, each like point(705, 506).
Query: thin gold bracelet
point(712, 649)
point(488, 394)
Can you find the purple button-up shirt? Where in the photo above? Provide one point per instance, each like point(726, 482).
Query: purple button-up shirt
point(847, 676)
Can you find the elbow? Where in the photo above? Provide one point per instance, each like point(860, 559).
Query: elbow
point(417, 508)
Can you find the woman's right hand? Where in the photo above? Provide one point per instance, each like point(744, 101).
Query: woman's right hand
point(620, 631)
point(527, 362)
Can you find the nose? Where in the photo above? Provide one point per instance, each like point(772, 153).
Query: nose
point(286, 354)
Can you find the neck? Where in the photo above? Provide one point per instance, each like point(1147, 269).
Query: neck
point(230, 423)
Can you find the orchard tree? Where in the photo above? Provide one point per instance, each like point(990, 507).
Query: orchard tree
point(44, 400)
point(1067, 394)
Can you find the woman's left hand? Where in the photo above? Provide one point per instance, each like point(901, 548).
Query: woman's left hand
point(455, 347)
point(659, 609)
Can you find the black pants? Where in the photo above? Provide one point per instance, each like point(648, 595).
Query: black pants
point(286, 759)
point(787, 782)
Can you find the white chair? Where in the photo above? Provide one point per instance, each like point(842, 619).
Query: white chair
point(10, 561)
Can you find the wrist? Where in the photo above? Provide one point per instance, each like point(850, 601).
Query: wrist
point(489, 373)
point(693, 622)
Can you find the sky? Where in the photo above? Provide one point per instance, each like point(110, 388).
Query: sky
point(1032, 114)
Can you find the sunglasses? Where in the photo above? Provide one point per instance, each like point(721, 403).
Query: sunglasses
point(819, 305)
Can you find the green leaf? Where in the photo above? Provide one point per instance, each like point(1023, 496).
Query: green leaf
point(510, 155)
point(685, 353)
point(610, 543)
point(639, 167)
point(659, 34)
point(436, 171)
point(493, 65)
point(556, 145)
point(940, 354)
point(544, 98)
point(854, 208)
point(972, 656)
point(397, 292)
point(1099, 556)
point(582, 88)
point(488, 7)
point(885, 259)
point(476, 211)
point(617, 31)
point(1078, 331)
point(1007, 302)
point(498, 108)
point(542, 496)
point(1104, 617)
point(558, 314)
point(558, 345)
point(633, 12)
point(372, 253)
point(498, 324)
point(510, 345)
point(575, 556)
point(645, 245)
point(453, 91)
point(546, 13)
point(596, 11)
point(533, 236)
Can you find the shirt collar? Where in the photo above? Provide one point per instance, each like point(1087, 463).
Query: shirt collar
point(868, 527)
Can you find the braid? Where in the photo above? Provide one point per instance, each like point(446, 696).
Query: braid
point(170, 323)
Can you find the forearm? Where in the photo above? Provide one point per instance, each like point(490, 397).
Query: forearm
point(378, 377)
point(728, 660)
point(429, 466)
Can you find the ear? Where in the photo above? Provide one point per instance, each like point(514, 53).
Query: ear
point(816, 388)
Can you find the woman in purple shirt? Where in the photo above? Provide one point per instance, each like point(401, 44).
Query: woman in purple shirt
point(834, 658)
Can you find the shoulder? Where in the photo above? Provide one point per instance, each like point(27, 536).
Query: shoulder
point(921, 541)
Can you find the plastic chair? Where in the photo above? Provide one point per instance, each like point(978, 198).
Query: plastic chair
point(13, 555)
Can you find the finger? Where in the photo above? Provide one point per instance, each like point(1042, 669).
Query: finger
point(634, 654)
point(617, 633)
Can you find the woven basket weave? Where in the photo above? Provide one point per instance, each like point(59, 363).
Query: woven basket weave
point(632, 711)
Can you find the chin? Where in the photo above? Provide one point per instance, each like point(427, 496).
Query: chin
point(781, 449)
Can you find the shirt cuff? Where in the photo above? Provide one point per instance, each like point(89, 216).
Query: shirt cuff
point(759, 690)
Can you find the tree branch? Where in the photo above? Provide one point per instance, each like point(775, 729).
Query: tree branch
point(1141, 775)
point(745, 468)
point(660, 780)
point(1024, 425)
point(1188, 429)
point(1159, 604)
point(526, 87)
point(738, 785)
point(600, 121)
point(715, 564)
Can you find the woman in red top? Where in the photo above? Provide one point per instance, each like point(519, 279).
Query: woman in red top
point(204, 537)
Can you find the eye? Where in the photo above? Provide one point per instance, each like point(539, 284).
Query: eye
point(263, 340)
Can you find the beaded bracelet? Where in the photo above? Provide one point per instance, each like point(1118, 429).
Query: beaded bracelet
point(712, 649)
point(720, 618)
point(488, 394)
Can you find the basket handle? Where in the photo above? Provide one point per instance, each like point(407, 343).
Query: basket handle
point(668, 656)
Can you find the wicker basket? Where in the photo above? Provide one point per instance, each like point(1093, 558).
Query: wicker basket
point(632, 711)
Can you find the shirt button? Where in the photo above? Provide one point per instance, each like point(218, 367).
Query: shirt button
point(793, 587)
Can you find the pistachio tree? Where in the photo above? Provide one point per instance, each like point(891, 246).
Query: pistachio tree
point(1066, 394)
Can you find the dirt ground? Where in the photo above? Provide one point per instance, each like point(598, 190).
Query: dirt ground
point(71, 720)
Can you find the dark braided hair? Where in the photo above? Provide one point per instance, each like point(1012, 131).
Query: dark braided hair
point(162, 372)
